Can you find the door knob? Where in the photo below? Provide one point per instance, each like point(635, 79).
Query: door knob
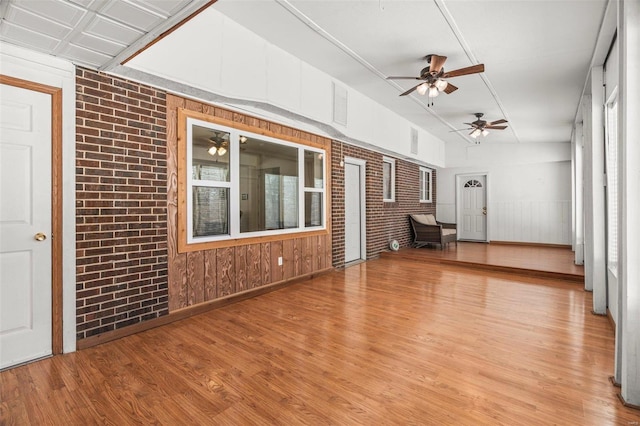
point(484, 211)
point(40, 236)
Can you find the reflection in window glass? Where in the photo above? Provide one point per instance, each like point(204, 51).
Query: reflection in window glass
point(210, 211)
point(425, 185)
point(312, 209)
point(268, 186)
point(313, 170)
point(210, 154)
point(388, 179)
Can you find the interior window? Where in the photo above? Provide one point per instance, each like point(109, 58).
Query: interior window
point(388, 179)
point(243, 184)
point(425, 185)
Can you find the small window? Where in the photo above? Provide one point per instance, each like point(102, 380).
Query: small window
point(473, 184)
point(388, 179)
point(425, 184)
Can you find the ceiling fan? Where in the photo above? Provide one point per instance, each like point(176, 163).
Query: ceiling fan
point(480, 126)
point(434, 76)
point(219, 144)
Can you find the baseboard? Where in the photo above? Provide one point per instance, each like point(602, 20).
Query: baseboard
point(612, 323)
point(190, 311)
point(519, 243)
point(626, 404)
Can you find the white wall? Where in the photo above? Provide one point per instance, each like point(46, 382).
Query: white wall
point(241, 66)
point(526, 202)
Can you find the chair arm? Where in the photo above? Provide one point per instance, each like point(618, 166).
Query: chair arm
point(448, 225)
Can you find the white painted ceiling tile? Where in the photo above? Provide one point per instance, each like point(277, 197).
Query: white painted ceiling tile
point(36, 23)
point(132, 15)
point(110, 30)
point(62, 12)
point(98, 44)
point(81, 55)
point(26, 38)
point(84, 3)
point(163, 7)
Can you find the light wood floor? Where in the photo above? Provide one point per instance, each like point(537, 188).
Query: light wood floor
point(526, 259)
point(389, 341)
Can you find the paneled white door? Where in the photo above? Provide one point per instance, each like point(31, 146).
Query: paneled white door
point(474, 208)
point(353, 209)
point(25, 225)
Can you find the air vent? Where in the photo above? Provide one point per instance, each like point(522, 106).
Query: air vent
point(339, 105)
point(414, 141)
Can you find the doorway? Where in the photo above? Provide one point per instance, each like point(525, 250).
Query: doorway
point(30, 258)
point(472, 207)
point(355, 247)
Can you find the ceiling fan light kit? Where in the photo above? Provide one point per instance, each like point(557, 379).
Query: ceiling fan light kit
point(434, 76)
point(219, 145)
point(480, 126)
point(433, 82)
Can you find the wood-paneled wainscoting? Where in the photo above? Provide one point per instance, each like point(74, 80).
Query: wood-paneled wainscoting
point(200, 273)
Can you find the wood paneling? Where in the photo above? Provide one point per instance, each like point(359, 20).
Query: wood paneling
point(253, 266)
point(195, 277)
point(210, 275)
point(277, 271)
point(241, 268)
point(204, 273)
point(288, 258)
point(383, 342)
point(225, 259)
point(265, 268)
point(177, 262)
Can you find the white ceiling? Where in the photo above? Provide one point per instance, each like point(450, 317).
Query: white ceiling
point(536, 53)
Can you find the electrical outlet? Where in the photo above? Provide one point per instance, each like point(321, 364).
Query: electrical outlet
point(280, 261)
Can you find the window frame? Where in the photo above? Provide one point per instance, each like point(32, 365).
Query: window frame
point(392, 162)
point(186, 241)
point(612, 184)
point(426, 171)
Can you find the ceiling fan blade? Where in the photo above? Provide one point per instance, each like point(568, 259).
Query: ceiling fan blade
point(502, 120)
point(437, 62)
point(460, 130)
point(404, 78)
point(410, 90)
point(473, 69)
point(450, 88)
point(495, 127)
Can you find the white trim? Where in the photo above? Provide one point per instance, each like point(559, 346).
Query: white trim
point(428, 171)
point(44, 69)
point(363, 203)
point(234, 184)
point(459, 178)
point(392, 162)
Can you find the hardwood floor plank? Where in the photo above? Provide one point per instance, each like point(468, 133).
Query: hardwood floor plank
point(389, 341)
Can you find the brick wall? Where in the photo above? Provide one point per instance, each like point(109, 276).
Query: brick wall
point(385, 221)
point(121, 208)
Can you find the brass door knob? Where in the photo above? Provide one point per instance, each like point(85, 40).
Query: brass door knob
point(40, 236)
point(484, 211)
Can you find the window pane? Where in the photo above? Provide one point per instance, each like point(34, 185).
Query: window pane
point(210, 211)
point(313, 177)
point(268, 185)
point(210, 153)
point(386, 180)
point(313, 209)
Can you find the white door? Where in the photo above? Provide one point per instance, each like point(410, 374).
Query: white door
point(25, 219)
point(353, 209)
point(473, 208)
